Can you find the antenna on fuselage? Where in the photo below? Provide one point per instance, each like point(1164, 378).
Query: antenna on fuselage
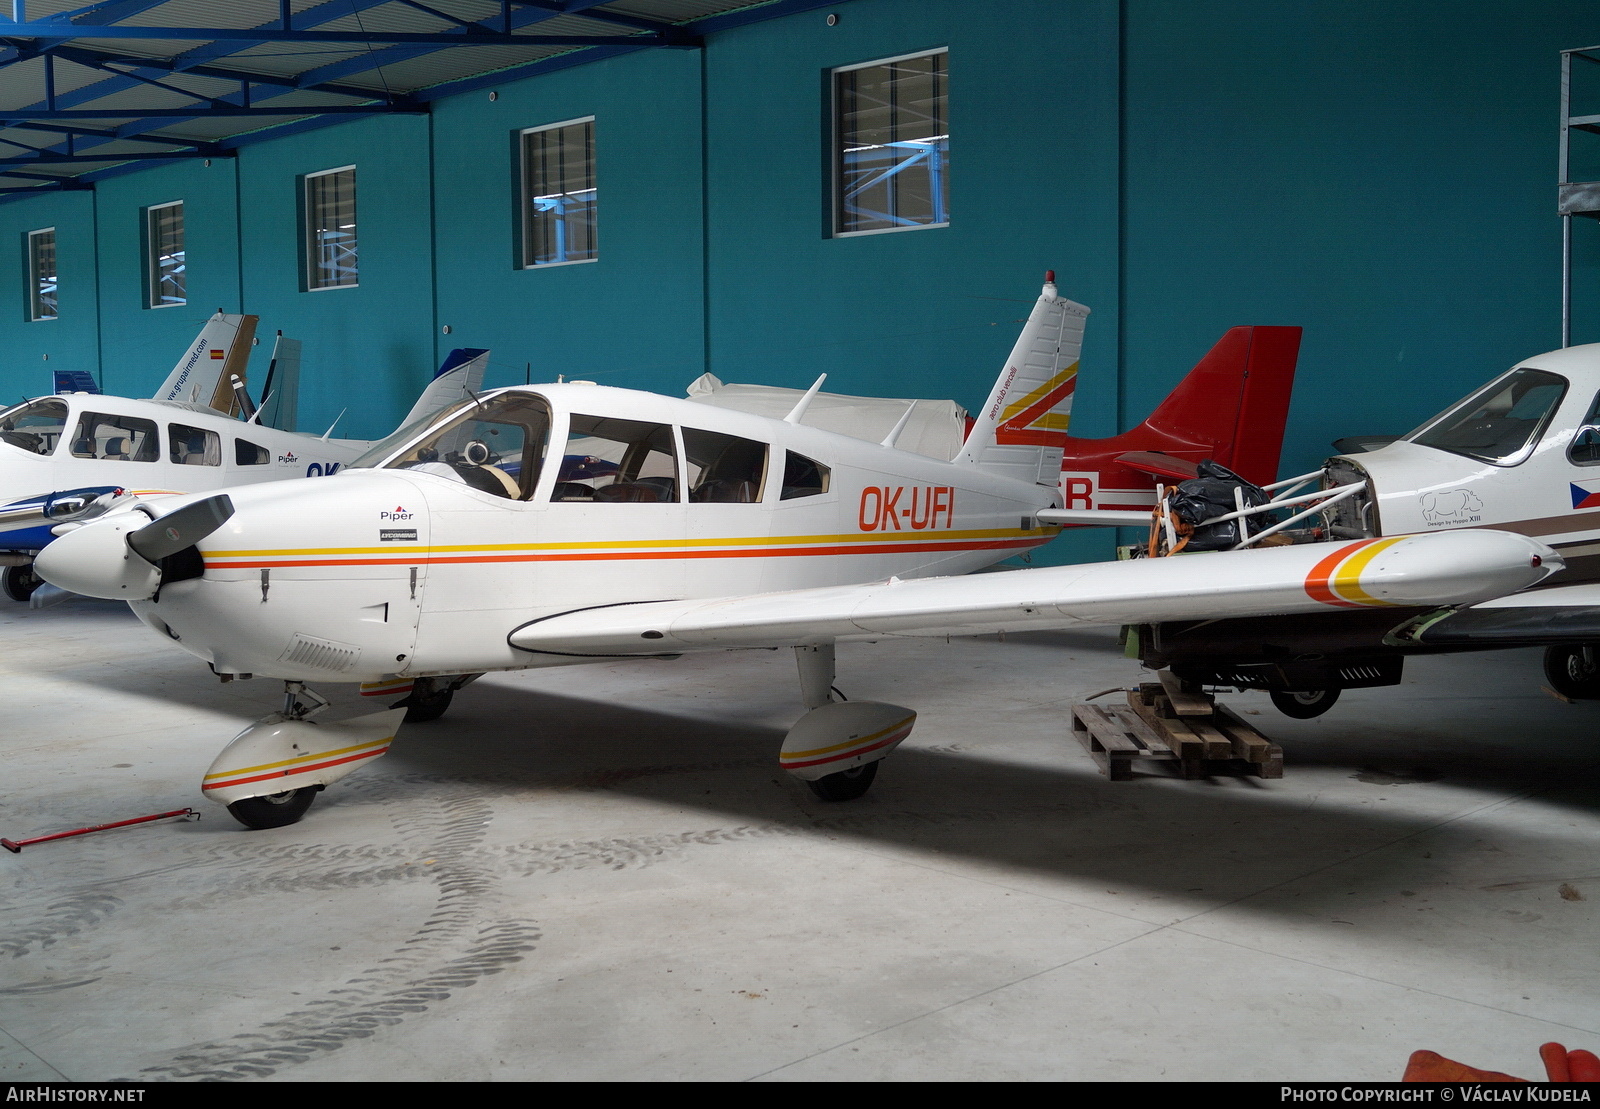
point(888, 440)
point(335, 424)
point(805, 402)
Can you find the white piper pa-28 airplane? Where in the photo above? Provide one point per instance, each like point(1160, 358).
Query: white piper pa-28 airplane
point(568, 523)
point(74, 455)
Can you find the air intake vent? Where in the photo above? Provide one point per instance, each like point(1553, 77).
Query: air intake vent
point(320, 654)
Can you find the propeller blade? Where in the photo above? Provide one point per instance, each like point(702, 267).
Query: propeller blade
point(183, 528)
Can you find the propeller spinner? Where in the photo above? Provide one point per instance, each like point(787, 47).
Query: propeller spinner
point(118, 557)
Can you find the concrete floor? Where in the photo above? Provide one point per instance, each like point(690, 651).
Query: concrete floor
point(599, 873)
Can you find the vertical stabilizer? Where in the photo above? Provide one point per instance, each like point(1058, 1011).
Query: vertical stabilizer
point(458, 378)
point(75, 381)
point(1022, 428)
point(202, 375)
point(280, 396)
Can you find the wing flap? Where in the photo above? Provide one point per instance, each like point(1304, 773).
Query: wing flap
point(1564, 614)
point(1420, 570)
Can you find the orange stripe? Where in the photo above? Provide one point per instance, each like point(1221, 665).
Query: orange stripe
point(849, 754)
point(296, 770)
point(1322, 572)
point(778, 552)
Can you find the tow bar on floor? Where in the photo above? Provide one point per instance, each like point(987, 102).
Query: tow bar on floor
point(15, 846)
point(1167, 722)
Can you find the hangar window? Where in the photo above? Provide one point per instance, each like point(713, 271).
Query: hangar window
point(557, 212)
point(891, 140)
point(42, 274)
point(194, 446)
point(328, 214)
point(164, 266)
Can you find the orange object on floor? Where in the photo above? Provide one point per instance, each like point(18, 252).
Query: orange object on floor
point(1555, 1062)
point(1583, 1066)
point(1430, 1066)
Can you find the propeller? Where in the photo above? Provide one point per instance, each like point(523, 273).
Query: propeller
point(184, 528)
point(127, 557)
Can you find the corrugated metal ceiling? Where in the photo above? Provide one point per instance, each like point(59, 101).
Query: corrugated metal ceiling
point(48, 74)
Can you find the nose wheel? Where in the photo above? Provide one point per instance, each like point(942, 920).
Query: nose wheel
point(19, 582)
point(275, 810)
point(846, 785)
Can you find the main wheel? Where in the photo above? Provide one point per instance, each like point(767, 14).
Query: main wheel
point(1303, 705)
point(1573, 671)
point(275, 810)
point(846, 785)
point(20, 582)
point(428, 706)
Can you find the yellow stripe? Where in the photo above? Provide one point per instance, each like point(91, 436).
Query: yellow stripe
point(1038, 394)
point(634, 544)
point(301, 758)
point(1347, 579)
point(849, 743)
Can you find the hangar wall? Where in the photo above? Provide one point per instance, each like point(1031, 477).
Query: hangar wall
point(1378, 172)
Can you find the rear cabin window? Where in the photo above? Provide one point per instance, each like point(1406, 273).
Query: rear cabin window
point(620, 461)
point(1501, 421)
point(124, 438)
point(249, 454)
point(194, 446)
point(723, 469)
point(803, 477)
point(36, 426)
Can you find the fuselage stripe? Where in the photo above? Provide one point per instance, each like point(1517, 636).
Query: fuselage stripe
point(403, 558)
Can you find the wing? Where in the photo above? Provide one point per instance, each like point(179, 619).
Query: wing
point(1408, 571)
point(1563, 614)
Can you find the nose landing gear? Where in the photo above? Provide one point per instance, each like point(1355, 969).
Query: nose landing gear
point(273, 770)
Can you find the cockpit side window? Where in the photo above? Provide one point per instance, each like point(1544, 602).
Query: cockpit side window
point(611, 460)
point(803, 477)
point(194, 446)
point(123, 438)
point(1500, 422)
point(36, 426)
point(724, 468)
point(1585, 448)
point(496, 446)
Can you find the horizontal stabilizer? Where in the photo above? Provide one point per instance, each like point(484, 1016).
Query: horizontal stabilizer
point(459, 377)
point(1416, 570)
point(75, 381)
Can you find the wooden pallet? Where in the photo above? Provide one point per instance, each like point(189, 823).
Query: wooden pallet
point(1168, 723)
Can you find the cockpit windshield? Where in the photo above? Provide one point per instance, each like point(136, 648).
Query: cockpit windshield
point(1499, 422)
point(36, 426)
point(496, 446)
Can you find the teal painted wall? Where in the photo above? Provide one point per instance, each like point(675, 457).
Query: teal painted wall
point(1380, 173)
point(31, 349)
point(139, 345)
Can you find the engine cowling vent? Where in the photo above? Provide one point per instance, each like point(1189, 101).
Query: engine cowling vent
point(320, 654)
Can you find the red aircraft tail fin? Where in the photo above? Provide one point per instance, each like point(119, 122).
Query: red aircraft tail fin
point(1233, 404)
point(1231, 407)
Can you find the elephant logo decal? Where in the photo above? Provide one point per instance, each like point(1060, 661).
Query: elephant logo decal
point(1452, 506)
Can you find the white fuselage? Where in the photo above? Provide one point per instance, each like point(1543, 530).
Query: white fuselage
point(154, 448)
point(1549, 487)
point(405, 572)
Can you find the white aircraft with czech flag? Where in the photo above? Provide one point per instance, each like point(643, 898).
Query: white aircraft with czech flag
point(569, 523)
